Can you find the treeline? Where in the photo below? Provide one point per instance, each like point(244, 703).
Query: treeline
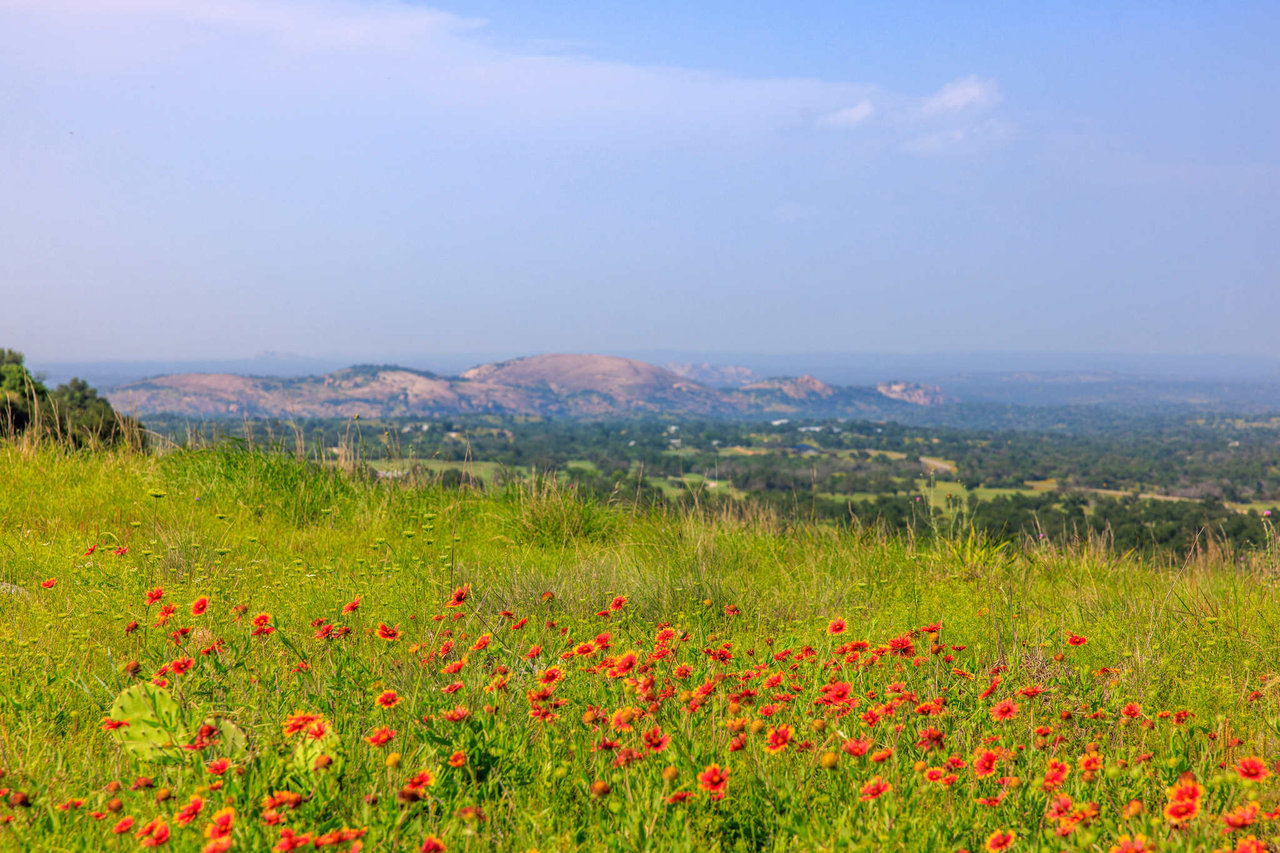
point(72, 412)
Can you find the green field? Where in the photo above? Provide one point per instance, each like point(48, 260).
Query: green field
point(526, 670)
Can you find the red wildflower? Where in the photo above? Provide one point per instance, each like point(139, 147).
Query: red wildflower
point(1004, 710)
point(351, 606)
point(218, 766)
point(381, 736)
point(1253, 768)
point(714, 780)
point(778, 737)
point(1075, 639)
point(875, 787)
point(1000, 840)
point(656, 740)
point(837, 626)
point(199, 606)
point(459, 595)
point(386, 633)
point(49, 584)
point(431, 844)
point(389, 699)
point(154, 595)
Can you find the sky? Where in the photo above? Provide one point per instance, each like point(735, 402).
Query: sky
point(378, 181)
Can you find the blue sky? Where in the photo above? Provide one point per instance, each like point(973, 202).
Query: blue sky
point(385, 180)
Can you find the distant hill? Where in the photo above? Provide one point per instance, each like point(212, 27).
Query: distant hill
point(555, 385)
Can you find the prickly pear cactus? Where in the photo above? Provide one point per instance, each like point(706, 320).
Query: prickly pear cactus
point(154, 731)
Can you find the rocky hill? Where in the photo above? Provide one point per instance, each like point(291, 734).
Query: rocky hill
point(557, 385)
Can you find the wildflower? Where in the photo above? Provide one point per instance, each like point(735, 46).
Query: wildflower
point(262, 626)
point(1241, 817)
point(618, 603)
point(380, 736)
point(92, 548)
point(154, 595)
point(837, 626)
point(1075, 639)
point(1004, 710)
point(678, 797)
point(49, 584)
point(778, 737)
point(218, 766)
point(874, 788)
point(290, 840)
point(299, 722)
point(153, 834)
point(123, 825)
point(220, 824)
point(1253, 768)
point(389, 634)
point(110, 725)
point(714, 780)
point(856, 747)
point(389, 699)
point(458, 759)
point(1132, 844)
point(1000, 840)
point(351, 606)
point(432, 844)
point(199, 606)
point(459, 595)
point(189, 812)
point(655, 740)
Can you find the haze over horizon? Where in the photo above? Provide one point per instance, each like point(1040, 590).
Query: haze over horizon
point(199, 179)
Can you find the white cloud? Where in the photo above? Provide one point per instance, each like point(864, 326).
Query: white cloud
point(964, 138)
point(966, 94)
point(848, 116)
point(412, 66)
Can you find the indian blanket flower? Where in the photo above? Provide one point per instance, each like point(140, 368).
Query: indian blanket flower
point(432, 844)
point(714, 780)
point(1006, 709)
point(1132, 844)
point(1252, 768)
point(388, 699)
point(381, 736)
point(778, 737)
point(1001, 839)
point(386, 633)
point(875, 787)
point(459, 596)
point(1075, 639)
point(199, 606)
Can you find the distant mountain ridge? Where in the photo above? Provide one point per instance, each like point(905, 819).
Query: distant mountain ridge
point(552, 385)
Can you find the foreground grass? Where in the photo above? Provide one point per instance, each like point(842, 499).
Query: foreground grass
point(608, 680)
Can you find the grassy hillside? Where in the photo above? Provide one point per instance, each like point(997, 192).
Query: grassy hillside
point(602, 673)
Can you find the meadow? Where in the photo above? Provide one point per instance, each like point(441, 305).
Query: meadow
point(221, 649)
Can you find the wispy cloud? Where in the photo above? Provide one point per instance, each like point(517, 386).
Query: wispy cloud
point(968, 94)
point(847, 116)
point(422, 62)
